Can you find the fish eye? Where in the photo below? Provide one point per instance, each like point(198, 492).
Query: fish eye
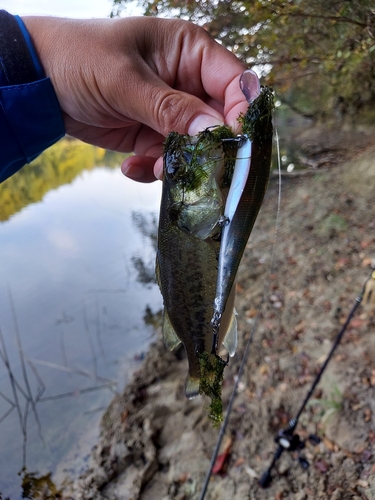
point(175, 164)
point(172, 165)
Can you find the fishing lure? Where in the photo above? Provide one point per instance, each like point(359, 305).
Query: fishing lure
point(248, 187)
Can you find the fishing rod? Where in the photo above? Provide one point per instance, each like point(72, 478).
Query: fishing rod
point(287, 439)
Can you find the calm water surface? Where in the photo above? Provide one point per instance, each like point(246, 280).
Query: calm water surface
point(72, 304)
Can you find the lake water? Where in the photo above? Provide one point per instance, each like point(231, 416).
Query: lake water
point(73, 296)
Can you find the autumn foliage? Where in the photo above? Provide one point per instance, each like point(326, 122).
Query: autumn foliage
point(318, 55)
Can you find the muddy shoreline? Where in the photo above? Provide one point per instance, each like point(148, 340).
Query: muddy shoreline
point(156, 445)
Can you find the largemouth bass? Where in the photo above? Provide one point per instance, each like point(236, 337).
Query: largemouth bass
point(197, 173)
point(205, 221)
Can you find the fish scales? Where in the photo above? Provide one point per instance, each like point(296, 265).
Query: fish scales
point(188, 266)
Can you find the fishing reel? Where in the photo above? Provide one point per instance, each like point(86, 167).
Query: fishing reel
point(288, 440)
point(292, 442)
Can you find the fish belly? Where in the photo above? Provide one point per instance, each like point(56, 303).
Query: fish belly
point(187, 269)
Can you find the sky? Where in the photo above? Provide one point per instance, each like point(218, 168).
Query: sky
point(67, 8)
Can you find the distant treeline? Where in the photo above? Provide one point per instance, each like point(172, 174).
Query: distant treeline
point(59, 165)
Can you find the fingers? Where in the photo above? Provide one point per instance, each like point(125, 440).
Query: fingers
point(125, 84)
point(165, 109)
point(219, 94)
point(158, 168)
point(184, 81)
point(139, 168)
point(220, 73)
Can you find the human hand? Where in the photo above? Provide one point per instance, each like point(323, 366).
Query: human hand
point(124, 84)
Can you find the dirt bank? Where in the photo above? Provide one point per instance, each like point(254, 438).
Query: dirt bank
point(156, 445)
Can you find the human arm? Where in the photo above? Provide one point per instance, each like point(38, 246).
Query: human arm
point(30, 115)
point(124, 84)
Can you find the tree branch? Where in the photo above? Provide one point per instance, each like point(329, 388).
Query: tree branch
point(343, 19)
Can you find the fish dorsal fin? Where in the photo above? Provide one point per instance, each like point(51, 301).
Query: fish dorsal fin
point(171, 340)
point(191, 387)
point(231, 338)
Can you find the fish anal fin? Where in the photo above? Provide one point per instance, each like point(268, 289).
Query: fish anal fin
point(231, 338)
point(191, 387)
point(170, 337)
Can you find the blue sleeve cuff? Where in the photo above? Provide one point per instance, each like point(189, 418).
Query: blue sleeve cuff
point(30, 46)
point(30, 115)
point(30, 121)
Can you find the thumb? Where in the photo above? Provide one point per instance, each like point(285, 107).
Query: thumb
point(183, 113)
point(171, 109)
point(203, 121)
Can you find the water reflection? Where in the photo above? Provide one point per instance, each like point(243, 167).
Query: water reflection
point(147, 225)
point(153, 318)
point(59, 165)
point(71, 307)
point(38, 487)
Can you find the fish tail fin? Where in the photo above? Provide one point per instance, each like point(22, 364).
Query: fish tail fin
point(191, 387)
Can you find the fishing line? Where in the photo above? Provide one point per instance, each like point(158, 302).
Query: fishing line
point(252, 332)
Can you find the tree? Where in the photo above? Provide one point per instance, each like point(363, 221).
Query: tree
point(318, 55)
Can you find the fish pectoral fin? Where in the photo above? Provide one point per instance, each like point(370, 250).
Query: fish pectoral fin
point(231, 338)
point(170, 337)
point(191, 387)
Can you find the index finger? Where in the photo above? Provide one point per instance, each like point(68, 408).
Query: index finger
point(221, 71)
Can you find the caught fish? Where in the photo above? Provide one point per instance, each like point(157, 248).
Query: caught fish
point(197, 173)
point(213, 187)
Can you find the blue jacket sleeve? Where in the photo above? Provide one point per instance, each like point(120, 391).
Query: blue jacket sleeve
point(30, 115)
